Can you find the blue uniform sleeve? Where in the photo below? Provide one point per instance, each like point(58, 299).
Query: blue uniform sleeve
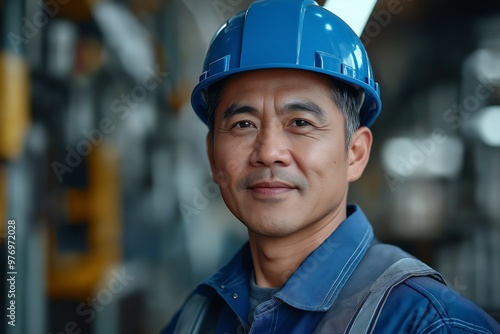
point(423, 305)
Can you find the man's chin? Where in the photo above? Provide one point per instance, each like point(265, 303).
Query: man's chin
point(271, 228)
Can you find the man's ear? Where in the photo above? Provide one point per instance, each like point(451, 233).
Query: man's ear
point(359, 153)
point(210, 153)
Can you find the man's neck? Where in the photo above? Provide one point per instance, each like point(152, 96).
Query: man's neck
point(275, 259)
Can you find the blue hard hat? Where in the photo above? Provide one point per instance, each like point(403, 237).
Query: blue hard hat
point(295, 34)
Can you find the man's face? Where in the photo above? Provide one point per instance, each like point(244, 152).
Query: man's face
point(279, 151)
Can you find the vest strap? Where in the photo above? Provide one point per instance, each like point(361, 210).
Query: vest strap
point(357, 308)
point(197, 316)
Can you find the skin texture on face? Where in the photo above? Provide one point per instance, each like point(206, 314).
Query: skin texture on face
point(280, 159)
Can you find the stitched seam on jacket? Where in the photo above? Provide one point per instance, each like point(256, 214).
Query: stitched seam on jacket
point(456, 323)
point(356, 254)
point(441, 312)
point(433, 301)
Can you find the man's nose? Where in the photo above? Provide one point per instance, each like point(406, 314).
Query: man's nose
point(271, 146)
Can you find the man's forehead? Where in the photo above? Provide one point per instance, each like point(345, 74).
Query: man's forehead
point(277, 82)
point(296, 89)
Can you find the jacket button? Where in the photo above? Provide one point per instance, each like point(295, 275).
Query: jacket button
point(235, 295)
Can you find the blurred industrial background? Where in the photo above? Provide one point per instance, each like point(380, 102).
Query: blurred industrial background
point(103, 165)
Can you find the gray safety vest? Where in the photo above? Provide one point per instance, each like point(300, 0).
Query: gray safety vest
point(356, 308)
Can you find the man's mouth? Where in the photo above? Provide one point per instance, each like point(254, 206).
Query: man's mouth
point(271, 187)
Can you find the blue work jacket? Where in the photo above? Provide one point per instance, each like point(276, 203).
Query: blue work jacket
point(418, 305)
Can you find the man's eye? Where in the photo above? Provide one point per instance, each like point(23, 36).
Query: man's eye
point(243, 124)
point(300, 123)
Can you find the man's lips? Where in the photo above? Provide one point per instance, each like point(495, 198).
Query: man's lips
point(271, 187)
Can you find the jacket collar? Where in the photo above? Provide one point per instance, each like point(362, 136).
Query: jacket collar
point(315, 285)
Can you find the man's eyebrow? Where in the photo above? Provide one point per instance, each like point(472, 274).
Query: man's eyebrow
point(307, 106)
point(235, 109)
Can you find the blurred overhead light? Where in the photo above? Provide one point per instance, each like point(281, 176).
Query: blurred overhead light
point(355, 12)
point(436, 156)
point(487, 65)
point(487, 125)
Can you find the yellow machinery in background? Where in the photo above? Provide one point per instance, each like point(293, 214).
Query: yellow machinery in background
point(14, 104)
point(72, 276)
point(76, 275)
point(95, 207)
point(14, 117)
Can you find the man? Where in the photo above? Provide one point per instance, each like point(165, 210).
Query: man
point(288, 95)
